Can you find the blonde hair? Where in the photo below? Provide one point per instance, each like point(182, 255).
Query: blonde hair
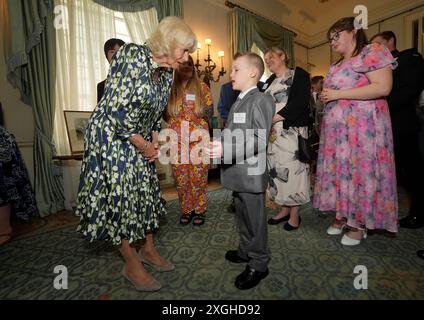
point(279, 52)
point(254, 60)
point(170, 33)
point(194, 86)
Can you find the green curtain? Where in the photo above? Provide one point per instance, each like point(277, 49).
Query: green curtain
point(31, 60)
point(163, 7)
point(247, 28)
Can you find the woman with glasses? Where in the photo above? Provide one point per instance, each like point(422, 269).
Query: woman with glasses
point(355, 170)
point(289, 184)
point(190, 108)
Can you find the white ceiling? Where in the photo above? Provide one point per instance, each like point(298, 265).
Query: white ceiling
point(311, 18)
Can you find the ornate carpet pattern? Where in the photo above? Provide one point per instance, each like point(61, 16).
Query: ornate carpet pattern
point(305, 264)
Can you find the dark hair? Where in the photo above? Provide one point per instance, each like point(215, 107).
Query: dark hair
point(348, 24)
point(386, 35)
point(111, 43)
point(316, 79)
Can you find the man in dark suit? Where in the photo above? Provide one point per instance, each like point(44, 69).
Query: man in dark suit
point(111, 46)
point(227, 97)
point(244, 170)
point(408, 83)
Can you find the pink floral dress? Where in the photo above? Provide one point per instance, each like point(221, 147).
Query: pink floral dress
point(356, 170)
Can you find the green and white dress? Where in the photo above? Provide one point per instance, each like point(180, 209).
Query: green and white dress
point(119, 195)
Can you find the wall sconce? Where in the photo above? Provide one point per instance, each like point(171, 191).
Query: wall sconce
point(207, 73)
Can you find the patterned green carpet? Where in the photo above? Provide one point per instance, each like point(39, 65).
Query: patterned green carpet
point(306, 264)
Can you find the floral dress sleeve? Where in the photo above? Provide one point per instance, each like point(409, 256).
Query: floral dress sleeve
point(373, 57)
point(126, 69)
point(207, 101)
point(157, 126)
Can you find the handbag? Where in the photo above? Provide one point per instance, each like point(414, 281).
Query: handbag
point(304, 152)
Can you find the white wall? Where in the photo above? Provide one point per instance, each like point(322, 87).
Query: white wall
point(301, 56)
point(319, 57)
point(209, 19)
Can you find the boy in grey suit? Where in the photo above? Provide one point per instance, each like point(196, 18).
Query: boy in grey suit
point(244, 170)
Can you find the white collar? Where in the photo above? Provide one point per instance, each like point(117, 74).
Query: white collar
point(243, 94)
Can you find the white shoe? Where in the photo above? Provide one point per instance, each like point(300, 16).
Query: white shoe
point(332, 231)
point(346, 241)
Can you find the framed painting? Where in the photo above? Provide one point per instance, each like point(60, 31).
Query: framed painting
point(76, 124)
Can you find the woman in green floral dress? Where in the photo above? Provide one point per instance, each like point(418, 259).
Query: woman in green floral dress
point(119, 197)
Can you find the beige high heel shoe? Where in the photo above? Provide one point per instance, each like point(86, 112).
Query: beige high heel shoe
point(167, 267)
point(149, 287)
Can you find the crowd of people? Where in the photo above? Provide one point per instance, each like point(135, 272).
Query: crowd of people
point(360, 118)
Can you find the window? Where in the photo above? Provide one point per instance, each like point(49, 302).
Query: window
point(415, 31)
point(80, 59)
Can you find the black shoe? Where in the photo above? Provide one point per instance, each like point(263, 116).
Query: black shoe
point(411, 222)
point(231, 208)
point(420, 254)
point(250, 278)
point(273, 221)
point(232, 255)
point(288, 227)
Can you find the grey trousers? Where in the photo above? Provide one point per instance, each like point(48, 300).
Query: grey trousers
point(252, 223)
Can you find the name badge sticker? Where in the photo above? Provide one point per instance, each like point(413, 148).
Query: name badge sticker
point(240, 117)
point(190, 97)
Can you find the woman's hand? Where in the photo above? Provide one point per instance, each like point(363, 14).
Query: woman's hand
point(328, 95)
point(148, 149)
point(151, 153)
point(215, 150)
point(155, 139)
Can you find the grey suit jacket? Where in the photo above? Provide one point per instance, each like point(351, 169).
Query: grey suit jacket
point(245, 141)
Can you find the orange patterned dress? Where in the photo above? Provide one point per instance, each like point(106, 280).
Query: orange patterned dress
point(191, 178)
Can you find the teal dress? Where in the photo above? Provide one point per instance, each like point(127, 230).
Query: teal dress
point(119, 195)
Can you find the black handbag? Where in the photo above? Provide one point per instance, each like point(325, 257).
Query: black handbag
point(304, 152)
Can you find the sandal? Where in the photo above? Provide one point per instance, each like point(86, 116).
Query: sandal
point(186, 218)
point(198, 219)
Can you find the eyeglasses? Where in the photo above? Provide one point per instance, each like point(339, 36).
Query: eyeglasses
point(336, 36)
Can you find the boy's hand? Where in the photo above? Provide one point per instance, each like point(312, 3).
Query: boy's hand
point(277, 118)
point(328, 95)
point(214, 150)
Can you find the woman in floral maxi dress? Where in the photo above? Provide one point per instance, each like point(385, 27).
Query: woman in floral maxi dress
point(190, 107)
point(356, 171)
point(119, 197)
